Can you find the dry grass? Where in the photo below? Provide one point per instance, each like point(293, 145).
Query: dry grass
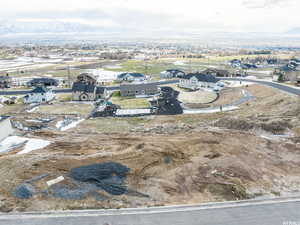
point(66, 108)
point(130, 103)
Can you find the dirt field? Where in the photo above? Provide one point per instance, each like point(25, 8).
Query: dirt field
point(179, 159)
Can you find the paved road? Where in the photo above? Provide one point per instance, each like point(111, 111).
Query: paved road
point(268, 212)
point(267, 83)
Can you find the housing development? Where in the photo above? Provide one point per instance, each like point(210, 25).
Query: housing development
point(122, 126)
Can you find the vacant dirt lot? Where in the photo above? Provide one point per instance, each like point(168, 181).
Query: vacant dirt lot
point(173, 159)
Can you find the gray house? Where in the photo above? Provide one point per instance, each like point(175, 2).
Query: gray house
point(168, 74)
point(130, 77)
point(5, 81)
point(195, 81)
point(87, 92)
point(138, 89)
point(5, 127)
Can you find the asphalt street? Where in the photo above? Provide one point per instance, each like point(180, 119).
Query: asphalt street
point(281, 87)
point(267, 212)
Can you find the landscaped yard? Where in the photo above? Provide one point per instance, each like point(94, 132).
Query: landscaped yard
point(129, 102)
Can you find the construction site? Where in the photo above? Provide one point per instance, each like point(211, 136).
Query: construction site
point(61, 159)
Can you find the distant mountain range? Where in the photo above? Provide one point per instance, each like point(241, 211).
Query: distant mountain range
point(295, 30)
point(44, 27)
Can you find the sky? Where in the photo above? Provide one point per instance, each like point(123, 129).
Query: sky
point(166, 15)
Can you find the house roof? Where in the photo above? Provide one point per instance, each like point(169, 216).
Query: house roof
point(202, 77)
point(100, 90)
point(175, 71)
point(136, 87)
point(213, 70)
point(82, 87)
point(40, 90)
point(5, 78)
point(2, 118)
point(135, 75)
point(43, 80)
point(287, 68)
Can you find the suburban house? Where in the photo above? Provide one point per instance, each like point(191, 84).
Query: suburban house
point(131, 77)
point(171, 74)
point(6, 128)
point(87, 92)
point(87, 78)
point(236, 63)
point(46, 82)
point(217, 72)
point(196, 81)
point(138, 89)
point(5, 81)
point(39, 95)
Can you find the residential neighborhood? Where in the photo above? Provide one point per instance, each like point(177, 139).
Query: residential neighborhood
point(121, 124)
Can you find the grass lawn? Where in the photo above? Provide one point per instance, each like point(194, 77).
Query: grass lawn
point(112, 125)
point(130, 103)
point(66, 97)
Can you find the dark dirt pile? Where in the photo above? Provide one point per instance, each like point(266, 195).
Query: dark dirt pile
point(108, 176)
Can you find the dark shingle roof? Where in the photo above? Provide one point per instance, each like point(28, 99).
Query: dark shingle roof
point(5, 78)
point(100, 90)
point(82, 87)
point(136, 75)
point(44, 80)
point(40, 90)
point(202, 77)
point(136, 87)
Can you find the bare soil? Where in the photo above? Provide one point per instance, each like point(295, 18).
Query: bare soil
point(181, 159)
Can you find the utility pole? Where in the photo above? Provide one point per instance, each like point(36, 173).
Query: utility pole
point(146, 67)
point(69, 76)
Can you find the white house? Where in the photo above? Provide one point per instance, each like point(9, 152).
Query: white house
point(171, 74)
point(195, 81)
point(39, 95)
point(131, 77)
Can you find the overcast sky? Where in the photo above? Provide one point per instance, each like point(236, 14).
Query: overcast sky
point(175, 15)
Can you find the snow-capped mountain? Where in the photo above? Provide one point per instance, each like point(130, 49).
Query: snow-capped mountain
point(44, 27)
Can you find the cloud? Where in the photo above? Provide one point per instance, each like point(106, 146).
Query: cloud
point(256, 4)
point(122, 18)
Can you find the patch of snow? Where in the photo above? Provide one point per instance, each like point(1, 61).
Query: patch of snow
point(34, 121)
point(210, 110)
point(32, 110)
point(60, 125)
point(267, 72)
point(124, 112)
point(238, 83)
point(31, 144)
point(3, 99)
point(179, 63)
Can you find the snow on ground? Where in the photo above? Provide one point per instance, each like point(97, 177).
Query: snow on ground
point(104, 75)
point(267, 72)
point(3, 99)
point(32, 110)
point(113, 66)
point(63, 125)
point(209, 110)
point(179, 63)
point(238, 83)
point(31, 144)
point(132, 112)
